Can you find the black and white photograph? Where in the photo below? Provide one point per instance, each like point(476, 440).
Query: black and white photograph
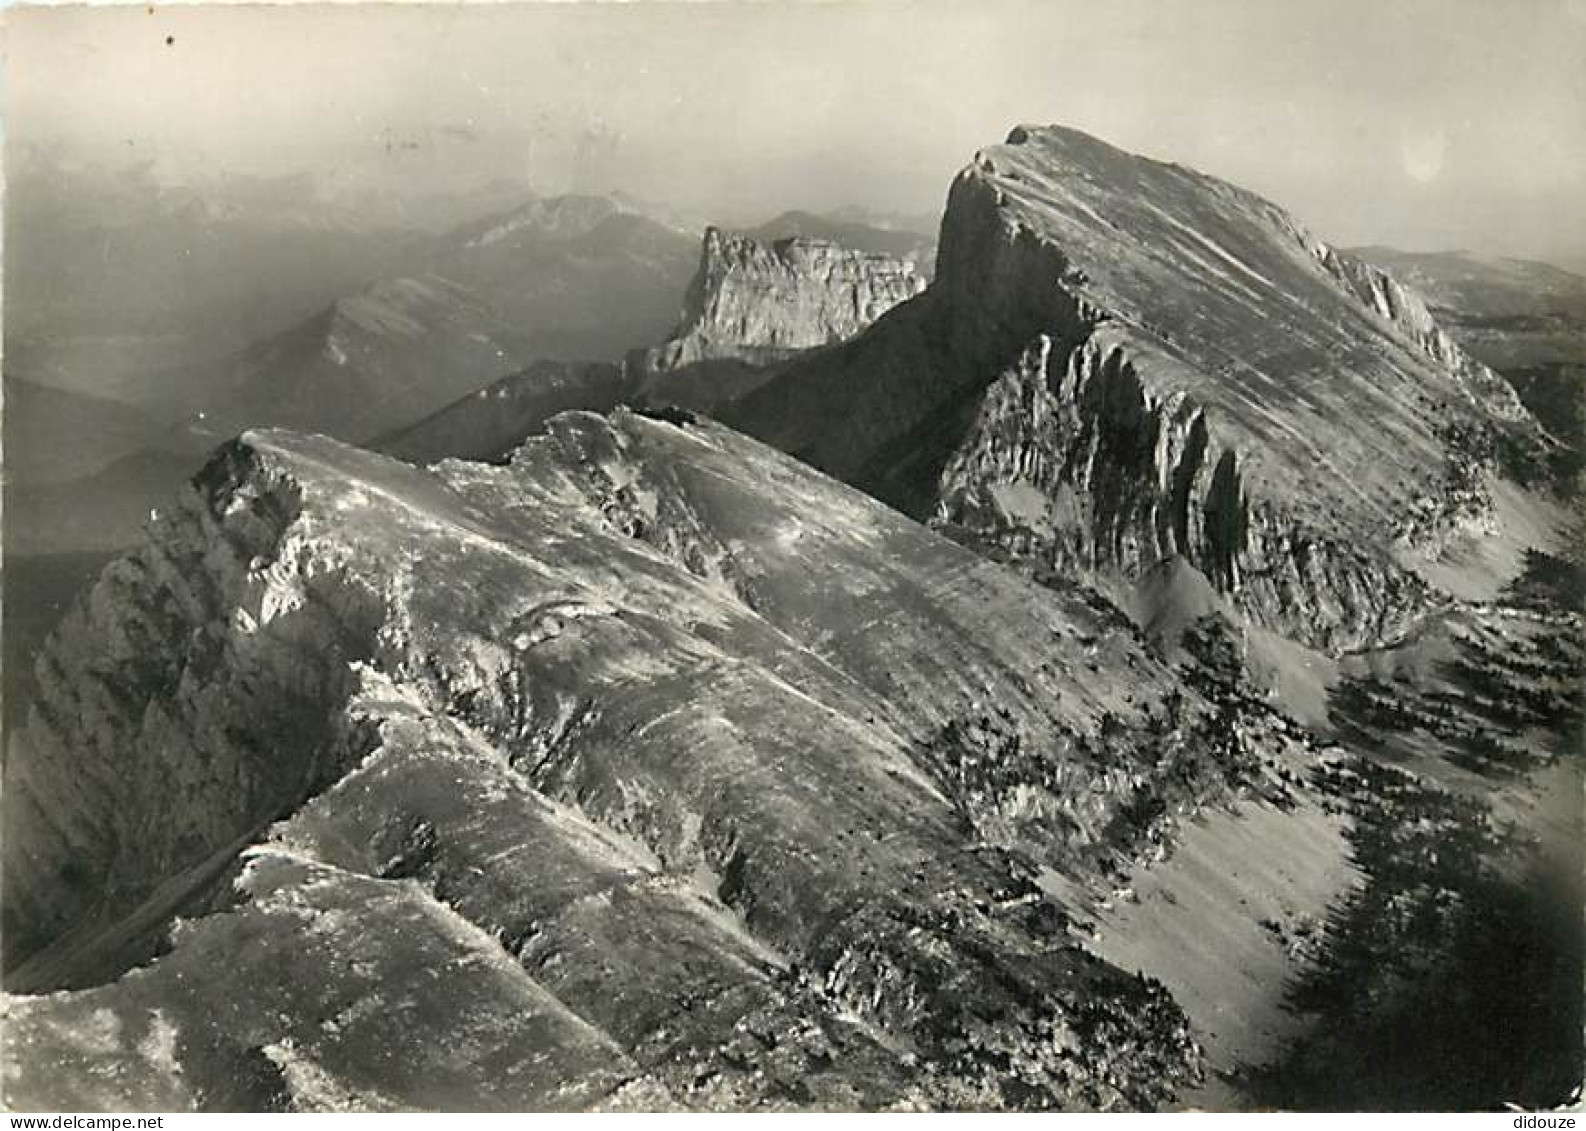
point(856, 556)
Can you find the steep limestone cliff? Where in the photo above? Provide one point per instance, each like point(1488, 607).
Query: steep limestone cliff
point(1122, 360)
point(755, 303)
point(596, 737)
point(1073, 459)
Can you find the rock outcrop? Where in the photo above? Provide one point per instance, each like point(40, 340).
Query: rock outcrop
point(911, 239)
point(754, 304)
point(650, 769)
point(572, 216)
point(1121, 360)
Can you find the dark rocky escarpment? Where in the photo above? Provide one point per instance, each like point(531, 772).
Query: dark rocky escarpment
point(1197, 367)
point(596, 741)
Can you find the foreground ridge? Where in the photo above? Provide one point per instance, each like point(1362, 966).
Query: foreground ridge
point(593, 727)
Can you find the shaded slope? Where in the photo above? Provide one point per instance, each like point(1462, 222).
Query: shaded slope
point(750, 308)
point(1511, 313)
point(566, 276)
point(374, 360)
point(490, 424)
point(1525, 319)
point(100, 512)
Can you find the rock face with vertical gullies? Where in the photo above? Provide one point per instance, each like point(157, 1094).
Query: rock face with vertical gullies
point(754, 303)
point(583, 782)
point(1121, 361)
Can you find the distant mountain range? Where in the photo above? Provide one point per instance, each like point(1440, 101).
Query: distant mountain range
point(1464, 283)
point(571, 276)
point(488, 424)
point(366, 363)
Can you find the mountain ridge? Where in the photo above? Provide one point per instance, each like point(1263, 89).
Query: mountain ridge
point(1120, 724)
point(1142, 301)
point(338, 625)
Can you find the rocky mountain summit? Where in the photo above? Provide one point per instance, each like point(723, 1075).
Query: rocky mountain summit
point(912, 239)
point(1121, 360)
point(753, 304)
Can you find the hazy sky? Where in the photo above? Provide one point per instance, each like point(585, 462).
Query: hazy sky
point(1425, 123)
